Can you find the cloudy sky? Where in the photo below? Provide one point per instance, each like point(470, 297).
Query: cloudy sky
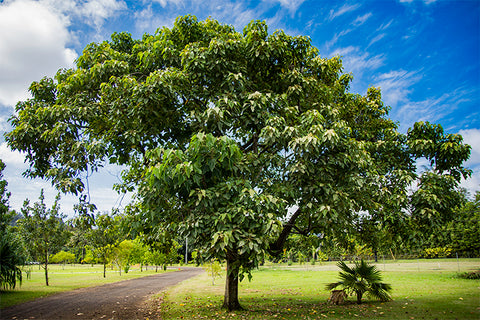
point(423, 54)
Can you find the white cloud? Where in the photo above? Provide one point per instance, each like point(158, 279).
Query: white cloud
point(9, 157)
point(358, 61)
point(377, 38)
point(396, 85)
point(291, 5)
point(97, 11)
point(472, 137)
point(35, 39)
point(362, 19)
point(427, 2)
point(335, 13)
point(33, 46)
point(164, 3)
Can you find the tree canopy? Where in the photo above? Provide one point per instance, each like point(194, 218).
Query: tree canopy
point(234, 139)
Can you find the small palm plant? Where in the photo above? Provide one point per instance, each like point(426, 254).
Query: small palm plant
point(10, 260)
point(360, 279)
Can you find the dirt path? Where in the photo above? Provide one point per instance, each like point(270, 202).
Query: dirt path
point(122, 300)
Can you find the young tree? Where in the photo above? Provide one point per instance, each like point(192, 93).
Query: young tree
point(43, 229)
point(233, 139)
point(104, 238)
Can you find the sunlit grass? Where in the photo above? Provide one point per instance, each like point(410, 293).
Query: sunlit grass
point(297, 293)
point(64, 278)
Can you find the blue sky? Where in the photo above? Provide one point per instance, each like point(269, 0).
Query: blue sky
point(425, 56)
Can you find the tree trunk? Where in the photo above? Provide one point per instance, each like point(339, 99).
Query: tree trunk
point(376, 255)
point(46, 267)
point(104, 269)
point(230, 301)
point(359, 297)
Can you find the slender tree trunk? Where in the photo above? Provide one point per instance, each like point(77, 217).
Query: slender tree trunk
point(104, 269)
point(46, 268)
point(376, 255)
point(230, 301)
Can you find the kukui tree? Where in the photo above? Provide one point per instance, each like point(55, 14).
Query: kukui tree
point(43, 229)
point(233, 139)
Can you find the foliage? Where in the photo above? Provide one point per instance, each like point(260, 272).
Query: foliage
point(214, 269)
point(439, 252)
point(360, 279)
point(62, 256)
point(11, 257)
point(104, 237)
point(43, 230)
point(464, 229)
point(473, 275)
point(232, 140)
point(11, 261)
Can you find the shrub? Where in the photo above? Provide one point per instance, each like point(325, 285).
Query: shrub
point(439, 252)
point(360, 279)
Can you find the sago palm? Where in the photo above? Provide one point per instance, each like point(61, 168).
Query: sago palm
point(360, 279)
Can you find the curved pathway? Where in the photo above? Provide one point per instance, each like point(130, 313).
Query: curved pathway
point(120, 300)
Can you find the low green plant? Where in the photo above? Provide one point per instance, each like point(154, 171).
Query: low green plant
point(439, 252)
point(10, 262)
point(361, 279)
point(473, 275)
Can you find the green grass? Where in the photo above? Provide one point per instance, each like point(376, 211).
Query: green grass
point(63, 279)
point(421, 290)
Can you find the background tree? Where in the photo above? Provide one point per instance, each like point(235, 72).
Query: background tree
point(80, 226)
point(233, 139)
point(464, 229)
point(62, 257)
point(43, 229)
point(104, 237)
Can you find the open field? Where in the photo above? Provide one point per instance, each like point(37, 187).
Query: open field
point(64, 278)
point(423, 289)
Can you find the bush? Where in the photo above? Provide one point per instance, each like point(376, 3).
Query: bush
point(474, 275)
point(439, 252)
point(360, 279)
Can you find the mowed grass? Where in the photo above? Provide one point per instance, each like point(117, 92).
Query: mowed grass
point(421, 290)
point(64, 278)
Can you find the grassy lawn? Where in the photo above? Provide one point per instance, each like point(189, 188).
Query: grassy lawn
point(422, 289)
point(64, 279)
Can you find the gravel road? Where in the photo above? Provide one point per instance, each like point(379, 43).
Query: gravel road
point(122, 300)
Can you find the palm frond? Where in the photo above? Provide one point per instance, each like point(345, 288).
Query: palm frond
point(361, 278)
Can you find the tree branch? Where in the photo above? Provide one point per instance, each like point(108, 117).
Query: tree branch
point(276, 247)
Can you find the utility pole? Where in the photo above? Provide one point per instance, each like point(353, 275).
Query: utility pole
point(186, 250)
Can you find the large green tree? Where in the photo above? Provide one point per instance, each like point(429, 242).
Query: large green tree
point(234, 139)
